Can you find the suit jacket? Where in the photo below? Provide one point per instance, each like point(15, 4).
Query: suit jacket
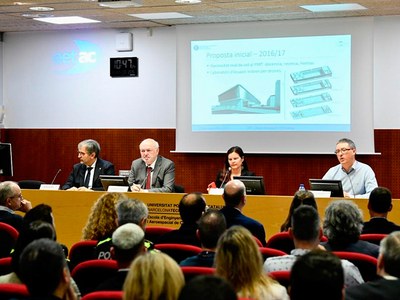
point(359, 246)
point(380, 225)
point(221, 175)
point(163, 175)
point(11, 219)
point(186, 234)
point(77, 176)
point(381, 289)
point(234, 217)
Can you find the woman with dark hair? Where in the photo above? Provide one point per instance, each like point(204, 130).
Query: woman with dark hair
point(235, 165)
point(299, 198)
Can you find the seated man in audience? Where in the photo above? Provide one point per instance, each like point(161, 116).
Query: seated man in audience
point(82, 177)
point(191, 208)
point(317, 275)
point(306, 233)
point(235, 199)
point(379, 206)
point(128, 211)
point(151, 172)
point(127, 244)
point(11, 200)
point(358, 179)
point(44, 270)
point(212, 225)
point(342, 226)
point(387, 287)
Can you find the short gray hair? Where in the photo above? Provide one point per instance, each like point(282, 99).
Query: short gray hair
point(343, 222)
point(351, 144)
point(131, 211)
point(92, 146)
point(127, 236)
point(6, 191)
point(390, 250)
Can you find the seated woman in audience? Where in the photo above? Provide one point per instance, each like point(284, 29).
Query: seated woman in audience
point(342, 226)
point(234, 165)
point(153, 276)
point(102, 218)
point(238, 260)
point(299, 198)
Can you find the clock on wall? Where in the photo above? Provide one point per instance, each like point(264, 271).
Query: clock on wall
point(124, 67)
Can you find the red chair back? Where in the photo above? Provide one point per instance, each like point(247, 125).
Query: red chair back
point(89, 274)
point(270, 252)
point(191, 272)
point(13, 290)
point(281, 241)
point(283, 277)
point(104, 295)
point(178, 252)
point(152, 233)
point(365, 263)
point(5, 265)
point(374, 238)
point(8, 237)
point(81, 251)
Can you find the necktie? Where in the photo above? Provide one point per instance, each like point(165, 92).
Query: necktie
point(87, 178)
point(148, 177)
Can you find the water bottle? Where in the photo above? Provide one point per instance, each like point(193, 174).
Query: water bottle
point(302, 188)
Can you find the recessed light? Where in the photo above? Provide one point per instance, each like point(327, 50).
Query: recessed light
point(333, 7)
point(66, 20)
point(187, 1)
point(160, 16)
point(41, 8)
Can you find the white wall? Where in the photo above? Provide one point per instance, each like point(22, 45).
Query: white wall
point(37, 95)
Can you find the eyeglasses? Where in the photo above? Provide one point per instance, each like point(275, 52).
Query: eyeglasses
point(18, 196)
point(342, 151)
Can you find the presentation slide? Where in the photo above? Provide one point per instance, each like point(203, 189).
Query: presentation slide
point(272, 84)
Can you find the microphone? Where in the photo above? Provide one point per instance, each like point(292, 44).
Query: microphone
point(58, 172)
point(226, 174)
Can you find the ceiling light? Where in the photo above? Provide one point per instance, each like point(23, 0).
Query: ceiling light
point(41, 8)
point(333, 7)
point(66, 20)
point(160, 16)
point(187, 1)
point(120, 3)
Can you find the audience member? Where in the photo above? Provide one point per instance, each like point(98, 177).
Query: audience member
point(82, 177)
point(342, 226)
point(208, 287)
point(191, 208)
point(299, 198)
point(238, 260)
point(358, 179)
point(153, 276)
point(102, 218)
point(306, 232)
point(212, 225)
point(317, 275)
point(11, 200)
point(234, 165)
point(235, 199)
point(387, 287)
point(44, 270)
point(379, 206)
point(151, 172)
point(127, 244)
point(128, 211)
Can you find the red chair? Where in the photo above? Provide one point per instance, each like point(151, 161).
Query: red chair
point(13, 290)
point(259, 244)
point(5, 265)
point(104, 295)
point(270, 252)
point(153, 232)
point(284, 242)
point(191, 272)
point(89, 274)
point(283, 277)
point(178, 251)
point(81, 251)
point(374, 238)
point(8, 237)
point(365, 263)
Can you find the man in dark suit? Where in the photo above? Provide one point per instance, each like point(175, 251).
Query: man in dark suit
point(387, 287)
point(151, 172)
point(86, 174)
point(235, 199)
point(379, 206)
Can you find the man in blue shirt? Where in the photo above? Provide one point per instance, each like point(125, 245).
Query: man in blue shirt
point(358, 179)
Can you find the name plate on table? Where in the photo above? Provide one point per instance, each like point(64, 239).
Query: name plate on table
point(49, 187)
point(321, 194)
point(117, 188)
point(215, 191)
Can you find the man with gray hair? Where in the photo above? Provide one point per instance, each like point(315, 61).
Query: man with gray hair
point(388, 286)
point(11, 200)
point(127, 244)
point(151, 172)
point(128, 211)
point(86, 174)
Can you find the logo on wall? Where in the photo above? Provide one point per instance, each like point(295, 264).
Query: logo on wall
point(81, 58)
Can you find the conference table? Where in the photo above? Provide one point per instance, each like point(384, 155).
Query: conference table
point(71, 209)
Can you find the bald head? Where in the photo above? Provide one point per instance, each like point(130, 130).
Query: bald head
point(149, 151)
point(234, 193)
point(191, 207)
